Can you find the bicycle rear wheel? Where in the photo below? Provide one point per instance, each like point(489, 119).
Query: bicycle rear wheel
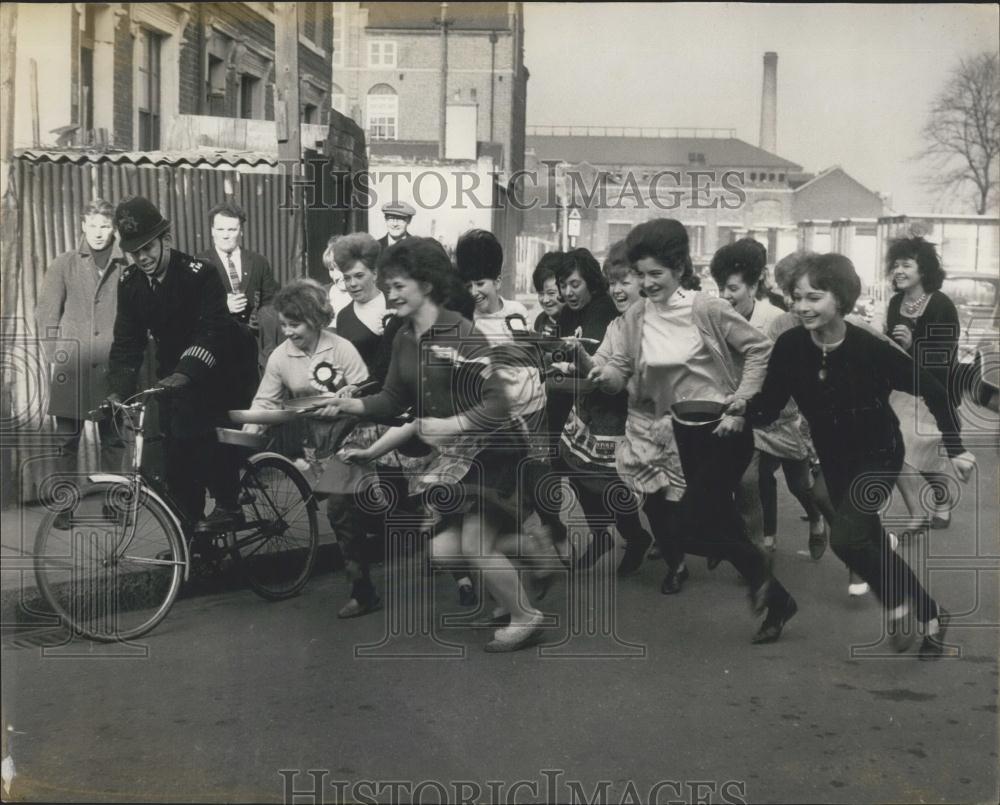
point(276, 549)
point(109, 566)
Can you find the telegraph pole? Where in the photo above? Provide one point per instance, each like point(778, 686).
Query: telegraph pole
point(287, 114)
point(443, 23)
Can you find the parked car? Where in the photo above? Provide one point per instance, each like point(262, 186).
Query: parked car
point(977, 298)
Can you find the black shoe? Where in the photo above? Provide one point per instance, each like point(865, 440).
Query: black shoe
point(777, 617)
point(673, 581)
point(467, 595)
point(817, 543)
point(355, 608)
point(220, 520)
point(933, 646)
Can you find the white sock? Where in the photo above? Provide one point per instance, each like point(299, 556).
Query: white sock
point(932, 627)
point(899, 612)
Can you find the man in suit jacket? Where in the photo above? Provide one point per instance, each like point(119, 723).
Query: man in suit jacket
point(398, 215)
point(246, 275)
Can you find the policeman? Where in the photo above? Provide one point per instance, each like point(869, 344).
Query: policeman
point(398, 215)
point(203, 358)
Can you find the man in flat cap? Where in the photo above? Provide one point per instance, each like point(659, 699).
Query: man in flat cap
point(203, 358)
point(398, 215)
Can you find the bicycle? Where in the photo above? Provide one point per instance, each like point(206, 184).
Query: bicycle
point(112, 569)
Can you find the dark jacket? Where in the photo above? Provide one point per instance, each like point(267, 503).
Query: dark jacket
point(257, 281)
point(383, 241)
point(935, 336)
point(75, 317)
point(194, 334)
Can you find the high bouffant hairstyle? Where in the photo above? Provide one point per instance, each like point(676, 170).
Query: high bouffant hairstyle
point(304, 300)
point(665, 240)
point(478, 256)
point(745, 257)
point(617, 264)
point(928, 262)
point(582, 261)
point(834, 273)
point(547, 268)
point(359, 247)
point(423, 260)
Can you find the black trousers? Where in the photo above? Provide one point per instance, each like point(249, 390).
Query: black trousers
point(707, 519)
point(194, 459)
point(859, 488)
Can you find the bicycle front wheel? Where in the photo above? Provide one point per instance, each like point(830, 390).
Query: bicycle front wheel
point(109, 565)
point(277, 546)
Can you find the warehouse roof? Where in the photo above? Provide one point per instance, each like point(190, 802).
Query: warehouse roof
point(718, 152)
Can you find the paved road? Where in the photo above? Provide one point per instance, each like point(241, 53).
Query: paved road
point(231, 690)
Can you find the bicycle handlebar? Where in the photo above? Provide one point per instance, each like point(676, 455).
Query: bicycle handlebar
point(110, 406)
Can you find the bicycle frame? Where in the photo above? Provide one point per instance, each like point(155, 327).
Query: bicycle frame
point(139, 483)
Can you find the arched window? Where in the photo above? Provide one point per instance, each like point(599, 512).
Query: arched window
point(338, 100)
point(382, 113)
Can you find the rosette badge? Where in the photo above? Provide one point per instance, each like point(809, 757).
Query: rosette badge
point(326, 376)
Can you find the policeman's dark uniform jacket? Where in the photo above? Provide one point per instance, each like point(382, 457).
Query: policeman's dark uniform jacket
point(185, 311)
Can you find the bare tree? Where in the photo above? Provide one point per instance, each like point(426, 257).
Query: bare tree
point(962, 133)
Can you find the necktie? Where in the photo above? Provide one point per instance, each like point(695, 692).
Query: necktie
point(234, 278)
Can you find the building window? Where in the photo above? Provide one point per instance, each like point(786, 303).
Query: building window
point(215, 89)
point(87, 71)
point(338, 100)
point(617, 231)
point(251, 106)
point(310, 114)
point(382, 113)
point(753, 177)
point(148, 89)
point(696, 236)
point(307, 21)
point(339, 35)
point(696, 158)
point(381, 53)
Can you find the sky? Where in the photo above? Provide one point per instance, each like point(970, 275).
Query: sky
point(854, 81)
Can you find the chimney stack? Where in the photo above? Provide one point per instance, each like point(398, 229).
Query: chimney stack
point(769, 104)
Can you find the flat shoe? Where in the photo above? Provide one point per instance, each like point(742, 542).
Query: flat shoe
point(817, 543)
point(770, 629)
point(933, 646)
point(673, 582)
point(516, 636)
point(354, 608)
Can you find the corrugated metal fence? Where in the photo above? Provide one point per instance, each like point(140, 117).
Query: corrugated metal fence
point(48, 195)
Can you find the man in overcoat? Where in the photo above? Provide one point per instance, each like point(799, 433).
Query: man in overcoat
point(75, 319)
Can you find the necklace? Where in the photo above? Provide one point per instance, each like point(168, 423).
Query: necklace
point(912, 307)
point(823, 374)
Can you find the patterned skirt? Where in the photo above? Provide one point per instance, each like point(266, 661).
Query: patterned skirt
point(647, 458)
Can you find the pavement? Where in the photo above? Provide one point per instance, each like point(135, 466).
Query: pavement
point(641, 696)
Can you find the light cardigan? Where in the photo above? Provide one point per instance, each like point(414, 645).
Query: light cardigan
point(740, 351)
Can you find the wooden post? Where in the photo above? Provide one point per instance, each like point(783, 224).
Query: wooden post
point(36, 135)
point(287, 116)
point(8, 63)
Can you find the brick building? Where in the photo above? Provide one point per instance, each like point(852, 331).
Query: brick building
point(132, 75)
point(388, 72)
point(718, 186)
